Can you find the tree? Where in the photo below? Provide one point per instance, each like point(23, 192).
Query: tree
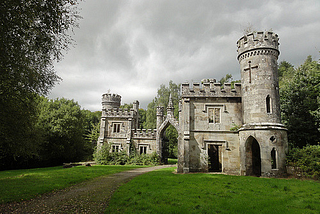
point(162, 99)
point(142, 118)
point(300, 106)
point(285, 71)
point(63, 125)
point(228, 78)
point(33, 34)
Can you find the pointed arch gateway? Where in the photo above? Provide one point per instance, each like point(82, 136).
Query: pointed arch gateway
point(253, 157)
point(163, 125)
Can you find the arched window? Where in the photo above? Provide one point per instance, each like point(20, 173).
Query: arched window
point(273, 159)
point(268, 104)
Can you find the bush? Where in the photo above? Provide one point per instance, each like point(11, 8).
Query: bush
point(144, 159)
point(103, 156)
point(307, 159)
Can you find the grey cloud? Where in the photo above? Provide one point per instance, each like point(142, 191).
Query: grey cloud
point(131, 47)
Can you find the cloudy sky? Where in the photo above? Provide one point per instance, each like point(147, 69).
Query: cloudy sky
point(131, 47)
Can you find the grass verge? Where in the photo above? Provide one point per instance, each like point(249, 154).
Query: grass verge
point(19, 185)
point(164, 192)
point(172, 160)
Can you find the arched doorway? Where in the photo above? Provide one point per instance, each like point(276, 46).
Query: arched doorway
point(169, 143)
point(253, 157)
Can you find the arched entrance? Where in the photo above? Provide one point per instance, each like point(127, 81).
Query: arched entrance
point(168, 140)
point(162, 124)
point(253, 157)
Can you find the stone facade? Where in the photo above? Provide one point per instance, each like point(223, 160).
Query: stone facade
point(120, 127)
point(222, 129)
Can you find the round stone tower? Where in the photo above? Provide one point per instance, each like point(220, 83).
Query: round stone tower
point(111, 101)
point(258, 55)
point(263, 139)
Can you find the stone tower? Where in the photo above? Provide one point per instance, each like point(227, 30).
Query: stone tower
point(263, 139)
point(111, 101)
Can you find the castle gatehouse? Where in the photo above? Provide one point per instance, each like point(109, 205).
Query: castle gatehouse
point(234, 130)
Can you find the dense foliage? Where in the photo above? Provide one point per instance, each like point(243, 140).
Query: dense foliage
point(307, 159)
point(300, 102)
point(62, 132)
point(63, 126)
point(162, 99)
point(33, 34)
point(105, 156)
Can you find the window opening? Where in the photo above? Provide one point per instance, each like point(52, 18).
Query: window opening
point(268, 104)
point(273, 159)
point(214, 115)
point(143, 150)
point(116, 127)
point(115, 148)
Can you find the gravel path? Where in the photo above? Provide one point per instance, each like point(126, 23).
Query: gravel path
point(87, 197)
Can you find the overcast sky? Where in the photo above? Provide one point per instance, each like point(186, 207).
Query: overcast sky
point(131, 47)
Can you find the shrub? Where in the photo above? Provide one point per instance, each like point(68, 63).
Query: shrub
point(103, 156)
point(307, 159)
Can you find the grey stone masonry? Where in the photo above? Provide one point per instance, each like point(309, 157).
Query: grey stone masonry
point(221, 128)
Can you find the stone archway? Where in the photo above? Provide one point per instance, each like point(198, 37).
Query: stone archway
point(160, 134)
point(160, 138)
point(163, 123)
point(253, 157)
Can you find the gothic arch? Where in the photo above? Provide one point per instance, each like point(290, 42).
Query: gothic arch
point(160, 131)
point(252, 157)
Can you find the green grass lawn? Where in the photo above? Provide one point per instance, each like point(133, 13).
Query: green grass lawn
point(172, 160)
point(164, 192)
point(18, 185)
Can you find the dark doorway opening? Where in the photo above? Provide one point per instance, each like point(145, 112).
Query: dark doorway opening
point(253, 157)
point(214, 158)
point(169, 140)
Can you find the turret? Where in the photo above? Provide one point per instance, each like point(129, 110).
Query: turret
point(111, 101)
point(258, 55)
point(136, 105)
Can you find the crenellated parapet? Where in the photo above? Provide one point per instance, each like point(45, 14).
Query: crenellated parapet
point(258, 43)
point(210, 89)
point(115, 112)
point(111, 101)
point(144, 133)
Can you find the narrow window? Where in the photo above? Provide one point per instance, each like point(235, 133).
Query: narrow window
point(268, 104)
point(115, 148)
point(116, 127)
point(217, 115)
point(214, 115)
point(143, 150)
point(273, 159)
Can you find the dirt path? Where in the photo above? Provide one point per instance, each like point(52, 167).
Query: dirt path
point(87, 197)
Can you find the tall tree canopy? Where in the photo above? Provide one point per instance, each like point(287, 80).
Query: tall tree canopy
point(63, 126)
point(162, 99)
point(33, 34)
point(300, 102)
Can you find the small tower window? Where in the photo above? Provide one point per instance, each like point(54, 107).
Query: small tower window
point(268, 104)
point(214, 115)
point(116, 127)
point(273, 159)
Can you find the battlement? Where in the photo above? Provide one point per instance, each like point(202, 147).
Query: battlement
point(210, 89)
point(144, 133)
point(256, 41)
point(111, 101)
point(116, 112)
